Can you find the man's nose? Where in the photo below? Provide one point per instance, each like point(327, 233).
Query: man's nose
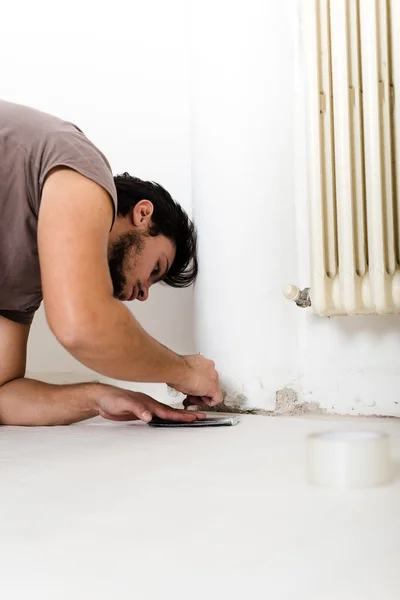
point(143, 293)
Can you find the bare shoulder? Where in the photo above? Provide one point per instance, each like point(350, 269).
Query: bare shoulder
point(67, 191)
point(73, 231)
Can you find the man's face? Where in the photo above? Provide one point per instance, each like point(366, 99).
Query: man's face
point(136, 259)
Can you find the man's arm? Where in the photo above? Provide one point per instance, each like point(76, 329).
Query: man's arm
point(74, 223)
point(28, 402)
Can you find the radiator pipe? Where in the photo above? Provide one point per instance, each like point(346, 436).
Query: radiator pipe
point(301, 297)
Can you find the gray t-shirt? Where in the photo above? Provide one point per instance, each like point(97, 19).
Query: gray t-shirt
point(31, 144)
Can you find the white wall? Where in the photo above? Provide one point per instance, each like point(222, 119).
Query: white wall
point(120, 73)
point(249, 166)
point(237, 138)
point(242, 163)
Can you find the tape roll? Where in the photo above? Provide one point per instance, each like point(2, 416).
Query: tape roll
point(349, 459)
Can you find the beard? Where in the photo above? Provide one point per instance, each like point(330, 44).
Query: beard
point(118, 259)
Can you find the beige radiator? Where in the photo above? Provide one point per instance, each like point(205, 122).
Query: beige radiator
point(353, 127)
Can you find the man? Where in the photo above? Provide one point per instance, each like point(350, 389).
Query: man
point(84, 241)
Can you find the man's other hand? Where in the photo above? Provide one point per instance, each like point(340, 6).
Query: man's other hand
point(123, 405)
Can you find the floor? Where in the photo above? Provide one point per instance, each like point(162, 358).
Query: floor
point(105, 510)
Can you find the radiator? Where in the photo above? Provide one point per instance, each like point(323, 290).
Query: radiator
point(352, 127)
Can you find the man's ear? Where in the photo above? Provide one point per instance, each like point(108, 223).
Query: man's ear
point(141, 214)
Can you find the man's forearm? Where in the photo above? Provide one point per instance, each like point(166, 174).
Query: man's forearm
point(30, 402)
point(112, 342)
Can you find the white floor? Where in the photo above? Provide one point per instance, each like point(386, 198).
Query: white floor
point(103, 510)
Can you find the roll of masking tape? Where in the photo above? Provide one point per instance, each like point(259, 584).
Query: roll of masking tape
point(348, 459)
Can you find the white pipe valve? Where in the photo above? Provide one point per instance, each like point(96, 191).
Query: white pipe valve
point(291, 292)
point(294, 294)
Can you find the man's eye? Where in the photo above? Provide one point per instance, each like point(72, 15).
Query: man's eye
point(156, 270)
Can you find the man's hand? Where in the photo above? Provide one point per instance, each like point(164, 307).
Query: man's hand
point(201, 381)
point(123, 405)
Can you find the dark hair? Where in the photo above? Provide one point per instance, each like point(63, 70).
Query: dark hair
point(168, 219)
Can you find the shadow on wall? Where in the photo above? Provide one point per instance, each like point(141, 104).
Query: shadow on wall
point(351, 365)
point(377, 326)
